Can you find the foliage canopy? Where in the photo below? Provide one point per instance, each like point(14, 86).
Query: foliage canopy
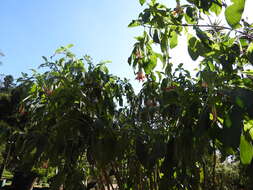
point(174, 134)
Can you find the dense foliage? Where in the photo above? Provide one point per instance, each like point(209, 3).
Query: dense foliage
point(179, 132)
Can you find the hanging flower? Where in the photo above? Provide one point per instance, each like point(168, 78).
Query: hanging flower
point(177, 11)
point(140, 76)
point(169, 88)
point(138, 55)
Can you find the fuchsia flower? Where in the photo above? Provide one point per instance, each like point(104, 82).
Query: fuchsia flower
point(140, 76)
point(169, 88)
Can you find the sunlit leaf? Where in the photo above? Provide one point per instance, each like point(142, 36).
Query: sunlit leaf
point(173, 39)
point(216, 8)
point(134, 23)
point(234, 12)
point(69, 46)
point(246, 150)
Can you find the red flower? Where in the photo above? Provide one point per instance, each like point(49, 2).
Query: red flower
point(169, 88)
point(140, 76)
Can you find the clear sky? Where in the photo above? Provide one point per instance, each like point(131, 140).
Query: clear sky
point(34, 28)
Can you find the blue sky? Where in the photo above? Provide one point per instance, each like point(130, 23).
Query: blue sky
point(34, 28)
point(31, 29)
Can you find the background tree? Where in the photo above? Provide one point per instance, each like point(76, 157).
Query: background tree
point(209, 114)
point(72, 108)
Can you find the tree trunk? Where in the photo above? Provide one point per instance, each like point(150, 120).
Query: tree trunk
point(23, 181)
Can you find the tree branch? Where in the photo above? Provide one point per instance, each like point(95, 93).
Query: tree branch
point(205, 26)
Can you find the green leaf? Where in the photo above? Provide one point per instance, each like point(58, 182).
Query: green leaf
point(173, 40)
point(150, 65)
point(248, 125)
point(156, 36)
point(146, 16)
point(246, 150)
point(191, 15)
point(60, 50)
point(69, 46)
point(215, 8)
point(142, 1)
point(234, 12)
point(192, 50)
point(134, 23)
point(250, 53)
point(251, 133)
point(44, 58)
point(164, 42)
point(202, 35)
point(153, 2)
point(211, 66)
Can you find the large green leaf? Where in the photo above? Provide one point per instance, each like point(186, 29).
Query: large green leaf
point(234, 12)
point(246, 150)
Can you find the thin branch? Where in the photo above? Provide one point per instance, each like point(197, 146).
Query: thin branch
point(205, 26)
